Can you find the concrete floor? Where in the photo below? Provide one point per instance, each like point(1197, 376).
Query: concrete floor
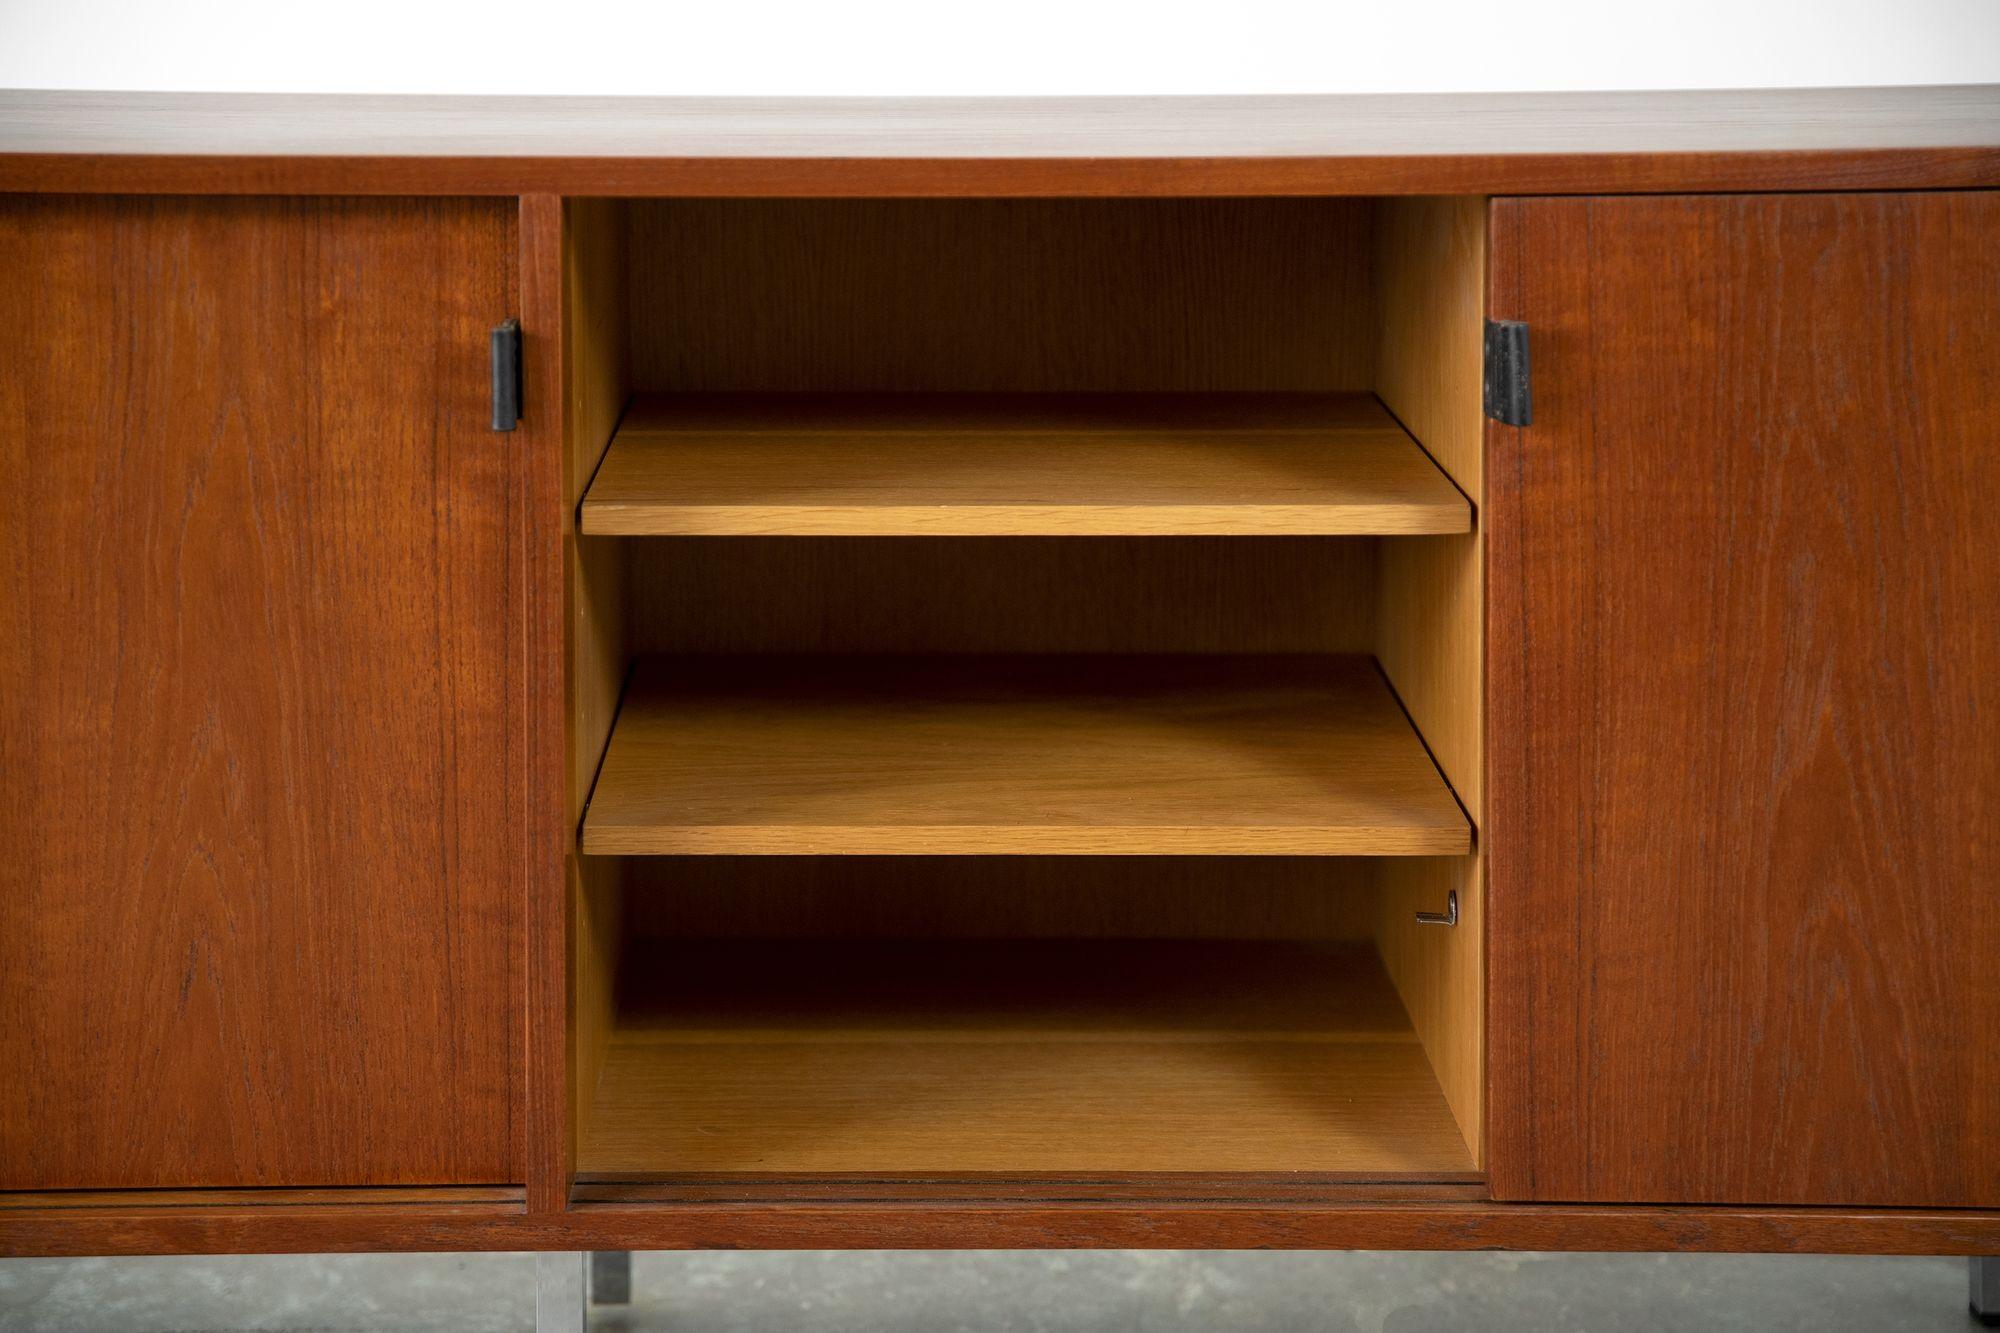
point(1055, 1291)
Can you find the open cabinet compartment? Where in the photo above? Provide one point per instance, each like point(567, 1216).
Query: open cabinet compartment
point(1026, 667)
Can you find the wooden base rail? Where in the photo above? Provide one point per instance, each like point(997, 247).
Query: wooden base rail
point(1415, 1224)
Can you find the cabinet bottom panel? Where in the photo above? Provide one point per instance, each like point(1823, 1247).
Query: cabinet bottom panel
point(1081, 1059)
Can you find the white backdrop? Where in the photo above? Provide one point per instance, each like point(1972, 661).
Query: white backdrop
point(998, 47)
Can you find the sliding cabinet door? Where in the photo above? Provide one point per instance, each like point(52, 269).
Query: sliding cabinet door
point(1744, 662)
point(261, 655)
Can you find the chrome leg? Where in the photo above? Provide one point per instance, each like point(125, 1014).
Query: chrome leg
point(611, 1277)
point(1985, 1297)
point(559, 1304)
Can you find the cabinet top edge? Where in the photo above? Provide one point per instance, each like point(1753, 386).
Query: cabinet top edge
point(1558, 142)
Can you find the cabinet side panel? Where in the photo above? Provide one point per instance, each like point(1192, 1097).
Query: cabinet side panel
point(1745, 704)
point(597, 378)
point(1431, 280)
point(262, 724)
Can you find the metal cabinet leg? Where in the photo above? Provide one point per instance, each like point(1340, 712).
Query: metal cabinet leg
point(1985, 1297)
point(611, 1277)
point(559, 1300)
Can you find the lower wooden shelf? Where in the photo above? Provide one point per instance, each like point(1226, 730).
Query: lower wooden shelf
point(1298, 755)
point(1050, 1057)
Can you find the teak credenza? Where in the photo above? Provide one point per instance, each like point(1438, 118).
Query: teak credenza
point(1353, 672)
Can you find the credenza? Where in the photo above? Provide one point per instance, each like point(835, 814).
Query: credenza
point(1370, 672)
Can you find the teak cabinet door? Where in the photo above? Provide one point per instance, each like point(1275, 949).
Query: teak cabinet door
point(260, 695)
point(1744, 675)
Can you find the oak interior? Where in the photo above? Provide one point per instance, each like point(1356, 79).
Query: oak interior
point(1017, 1057)
point(968, 810)
point(1017, 465)
point(1148, 754)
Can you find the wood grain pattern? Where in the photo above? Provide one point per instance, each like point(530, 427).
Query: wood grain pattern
point(1430, 622)
point(1003, 595)
point(1194, 1223)
point(915, 465)
point(1232, 177)
point(596, 925)
point(540, 440)
point(595, 373)
point(1158, 1187)
point(835, 898)
point(1440, 972)
point(1001, 296)
point(1431, 367)
point(1045, 755)
point(260, 910)
point(1430, 636)
point(1743, 703)
point(1805, 139)
point(394, 1197)
point(927, 1058)
point(1430, 288)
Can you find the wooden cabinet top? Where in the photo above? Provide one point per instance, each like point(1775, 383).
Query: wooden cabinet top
point(1797, 139)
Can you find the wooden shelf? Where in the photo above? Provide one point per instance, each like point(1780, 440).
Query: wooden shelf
point(1017, 465)
point(939, 1057)
point(1073, 755)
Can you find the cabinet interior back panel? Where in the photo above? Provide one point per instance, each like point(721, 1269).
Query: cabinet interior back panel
point(1001, 295)
point(830, 898)
point(1003, 595)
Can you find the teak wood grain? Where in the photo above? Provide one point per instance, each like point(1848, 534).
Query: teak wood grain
point(550, 373)
point(404, 1198)
point(811, 595)
point(1009, 1187)
point(1042, 755)
point(1745, 703)
point(260, 901)
point(927, 1057)
point(1157, 465)
point(1482, 143)
point(290, 643)
point(1418, 1221)
point(573, 250)
point(1000, 295)
point(837, 898)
